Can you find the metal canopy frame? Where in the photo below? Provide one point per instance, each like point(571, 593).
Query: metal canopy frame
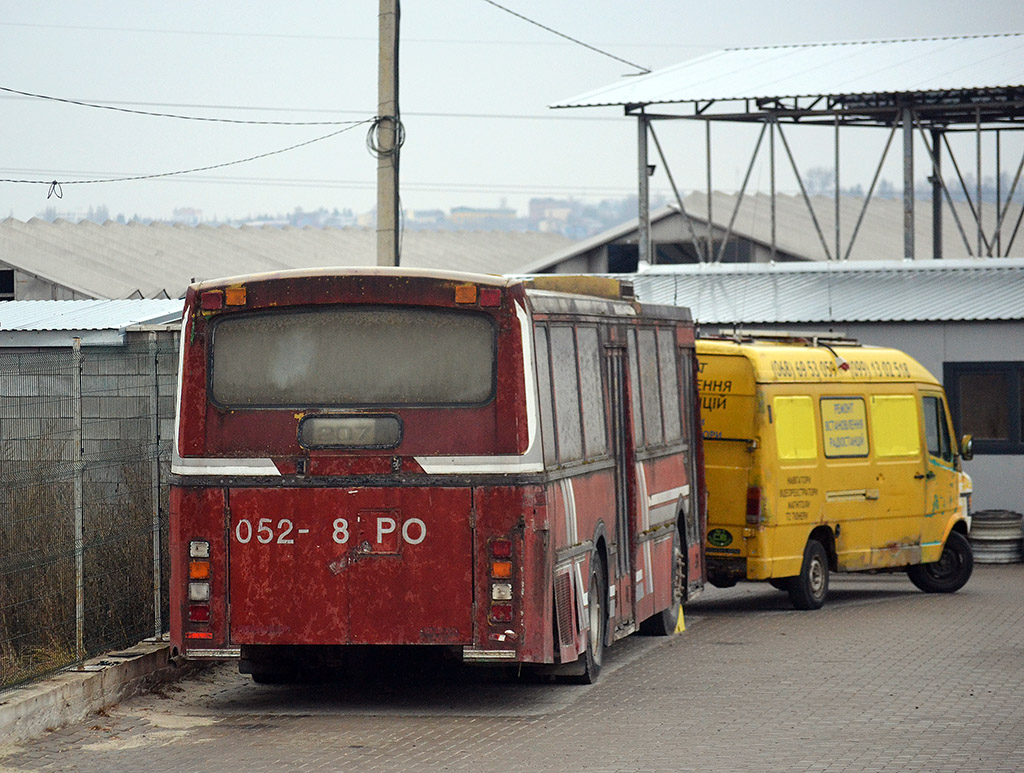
point(933, 114)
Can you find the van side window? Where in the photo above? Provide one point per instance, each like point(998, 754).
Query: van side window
point(894, 427)
point(595, 439)
point(936, 431)
point(567, 394)
point(545, 396)
point(844, 427)
point(795, 435)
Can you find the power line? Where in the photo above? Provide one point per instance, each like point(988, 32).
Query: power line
point(80, 103)
point(269, 109)
point(643, 70)
point(55, 185)
point(348, 38)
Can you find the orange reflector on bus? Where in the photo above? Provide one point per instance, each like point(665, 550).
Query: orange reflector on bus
point(199, 570)
point(465, 294)
point(234, 296)
point(501, 568)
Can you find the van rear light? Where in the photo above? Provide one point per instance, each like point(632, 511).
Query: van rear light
point(753, 505)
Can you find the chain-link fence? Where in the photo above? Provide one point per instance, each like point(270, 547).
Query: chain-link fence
point(84, 447)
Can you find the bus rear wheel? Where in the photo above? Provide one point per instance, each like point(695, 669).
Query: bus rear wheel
point(664, 623)
point(809, 588)
point(597, 617)
point(951, 572)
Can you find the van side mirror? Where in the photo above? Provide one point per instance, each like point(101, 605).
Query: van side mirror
point(967, 448)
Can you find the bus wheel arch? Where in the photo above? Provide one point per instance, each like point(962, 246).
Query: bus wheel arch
point(664, 623)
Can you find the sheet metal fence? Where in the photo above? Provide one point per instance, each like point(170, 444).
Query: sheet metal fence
point(84, 452)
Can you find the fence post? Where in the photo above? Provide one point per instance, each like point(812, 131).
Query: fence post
point(154, 434)
point(79, 474)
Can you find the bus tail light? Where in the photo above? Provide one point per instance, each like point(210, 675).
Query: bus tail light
point(199, 575)
point(501, 580)
point(753, 505)
point(211, 300)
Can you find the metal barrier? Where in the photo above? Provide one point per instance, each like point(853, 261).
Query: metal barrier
point(84, 449)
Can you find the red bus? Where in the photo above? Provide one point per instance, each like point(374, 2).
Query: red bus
point(381, 456)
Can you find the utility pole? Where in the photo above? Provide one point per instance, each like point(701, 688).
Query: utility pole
point(388, 134)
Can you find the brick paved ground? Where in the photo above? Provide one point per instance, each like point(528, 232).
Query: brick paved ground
point(884, 678)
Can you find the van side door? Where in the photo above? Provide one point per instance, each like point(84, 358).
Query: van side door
point(942, 491)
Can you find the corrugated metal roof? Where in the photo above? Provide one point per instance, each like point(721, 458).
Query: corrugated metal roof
point(87, 315)
point(936, 291)
point(121, 261)
point(825, 69)
point(880, 236)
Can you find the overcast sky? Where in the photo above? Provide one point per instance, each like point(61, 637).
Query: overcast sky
point(475, 85)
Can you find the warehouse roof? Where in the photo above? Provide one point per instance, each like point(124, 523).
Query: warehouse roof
point(150, 261)
point(840, 71)
point(933, 291)
point(95, 322)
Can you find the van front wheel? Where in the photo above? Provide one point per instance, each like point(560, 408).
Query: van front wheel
point(809, 589)
point(951, 572)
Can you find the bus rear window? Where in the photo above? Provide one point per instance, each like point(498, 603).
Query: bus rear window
point(353, 356)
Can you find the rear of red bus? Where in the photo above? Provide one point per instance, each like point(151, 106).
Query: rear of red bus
point(357, 463)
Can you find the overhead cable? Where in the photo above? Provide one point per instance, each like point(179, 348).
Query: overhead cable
point(643, 70)
point(174, 115)
point(56, 185)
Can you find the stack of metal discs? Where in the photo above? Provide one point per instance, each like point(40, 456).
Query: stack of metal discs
point(996, 537)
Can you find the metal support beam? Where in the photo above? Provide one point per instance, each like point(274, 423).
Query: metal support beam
point(771, 167)
point(936, 180)
point(871, 190)
point(739, 198)
point(937, 173)
point(803, 192)
point(643, 193)
point(698, 253)
point(711, 227)
point(908, 183)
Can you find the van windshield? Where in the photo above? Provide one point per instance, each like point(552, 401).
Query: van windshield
point(353, 356)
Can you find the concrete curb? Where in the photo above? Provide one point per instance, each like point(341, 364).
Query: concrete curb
point(30, 711)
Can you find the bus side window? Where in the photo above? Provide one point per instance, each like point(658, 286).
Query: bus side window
point(567, 394)
point(634, 388)
point(668, 366)
point(649, 387)
point(936, 431)
point(595, 439)
point(545, 395)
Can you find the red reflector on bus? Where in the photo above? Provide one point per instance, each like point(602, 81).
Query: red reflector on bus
point(199, 635)
point(501, 613)
point(501, 548)
point(198, 613)
point(490, 296)
point(211, 300)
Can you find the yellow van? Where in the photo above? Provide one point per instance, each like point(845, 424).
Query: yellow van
point(822, 456)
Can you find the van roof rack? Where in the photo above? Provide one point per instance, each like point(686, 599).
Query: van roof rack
point(583, 284)
point(812, 337)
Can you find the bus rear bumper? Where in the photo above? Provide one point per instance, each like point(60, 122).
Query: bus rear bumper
point(471, 655)
point(220, 653)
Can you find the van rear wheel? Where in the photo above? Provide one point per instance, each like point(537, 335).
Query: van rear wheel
point(951, 572)
point(809, 589)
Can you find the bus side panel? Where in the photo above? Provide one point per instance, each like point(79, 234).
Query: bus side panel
point(197, 514)
point(351, 566)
